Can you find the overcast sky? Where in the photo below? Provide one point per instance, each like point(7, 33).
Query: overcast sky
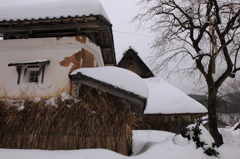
point(121, 13)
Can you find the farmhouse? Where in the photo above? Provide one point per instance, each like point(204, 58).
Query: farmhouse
point(44, 42)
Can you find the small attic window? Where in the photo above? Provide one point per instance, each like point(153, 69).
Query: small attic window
point(32, 71)
point(34, 76)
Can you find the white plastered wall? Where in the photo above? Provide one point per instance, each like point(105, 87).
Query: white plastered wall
point(55, 77)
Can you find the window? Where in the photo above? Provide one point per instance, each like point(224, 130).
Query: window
point(34, 76)
point(31, 74)
point(33, 70)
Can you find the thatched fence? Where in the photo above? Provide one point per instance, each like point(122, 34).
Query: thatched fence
point(93, 122)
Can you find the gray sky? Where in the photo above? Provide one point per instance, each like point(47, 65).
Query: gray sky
point(121, 13)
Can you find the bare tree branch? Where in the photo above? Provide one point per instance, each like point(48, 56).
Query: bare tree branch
point(205, 31)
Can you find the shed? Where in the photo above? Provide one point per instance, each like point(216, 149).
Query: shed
point(120, 84)
point(167, 107)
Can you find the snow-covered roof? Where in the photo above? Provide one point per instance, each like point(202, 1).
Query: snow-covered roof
point(51, 9)
point(117, 77)
point(167, 99)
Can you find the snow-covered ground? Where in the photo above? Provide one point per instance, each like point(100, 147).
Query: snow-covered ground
point(147, 145)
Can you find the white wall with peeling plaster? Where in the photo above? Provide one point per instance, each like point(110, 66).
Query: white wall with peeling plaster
point(56, 76)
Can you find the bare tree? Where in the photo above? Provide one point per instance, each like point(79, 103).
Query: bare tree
point(206, 32)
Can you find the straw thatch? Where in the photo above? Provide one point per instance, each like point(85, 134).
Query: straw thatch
point(93, 122)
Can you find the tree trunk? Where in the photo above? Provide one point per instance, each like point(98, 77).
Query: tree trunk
point(212, 116)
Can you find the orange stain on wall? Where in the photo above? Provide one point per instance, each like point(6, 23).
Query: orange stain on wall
point(85, 56)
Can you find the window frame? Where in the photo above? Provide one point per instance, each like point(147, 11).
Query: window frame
point(31, 64)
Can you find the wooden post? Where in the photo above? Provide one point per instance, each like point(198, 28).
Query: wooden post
point(19, 70)
point(43, 70)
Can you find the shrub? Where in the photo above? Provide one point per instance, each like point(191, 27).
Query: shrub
point(205, 141)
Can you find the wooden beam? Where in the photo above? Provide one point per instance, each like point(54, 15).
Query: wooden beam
point(43, 71)
point(19, 70)
point(77, 31)
point(14, 29)
point(53, 34)
point(29, 63)
point(106, 47)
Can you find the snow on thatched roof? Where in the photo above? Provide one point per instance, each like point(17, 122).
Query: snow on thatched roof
point(51, 9)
